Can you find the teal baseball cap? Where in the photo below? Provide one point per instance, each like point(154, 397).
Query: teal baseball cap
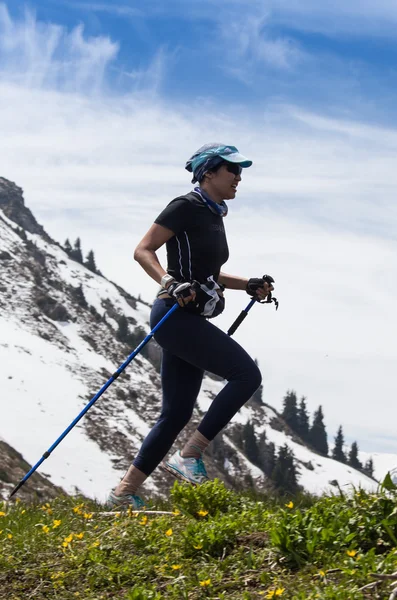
point(212, 154)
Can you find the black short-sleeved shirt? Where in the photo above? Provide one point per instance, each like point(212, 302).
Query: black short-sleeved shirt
point(199, 247)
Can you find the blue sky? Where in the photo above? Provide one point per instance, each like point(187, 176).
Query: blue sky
point(244, 54)
point(101, 104)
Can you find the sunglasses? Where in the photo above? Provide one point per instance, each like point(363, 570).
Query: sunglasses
point(233, 168)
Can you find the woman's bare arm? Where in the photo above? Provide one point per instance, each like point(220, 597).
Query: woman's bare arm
point(232, 282)
point(145, 252)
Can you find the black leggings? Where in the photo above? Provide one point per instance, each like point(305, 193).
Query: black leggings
point(192, 345)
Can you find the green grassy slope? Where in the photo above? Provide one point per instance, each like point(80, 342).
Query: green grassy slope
point(214, 544)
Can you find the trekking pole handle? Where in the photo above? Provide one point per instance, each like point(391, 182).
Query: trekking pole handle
point(241, 317)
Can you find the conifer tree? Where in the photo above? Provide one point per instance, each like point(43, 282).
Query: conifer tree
point(76, 253)
point(90, 262)
point(122, 333)
point(318, 434)
point(68, 247)
point(353, 460)
point(303, 420)
point(284, 473)
point(337, 451)
point(268, 458)
point(369, 467)
point(78, 294)
point(290, 411)
point(250, 444)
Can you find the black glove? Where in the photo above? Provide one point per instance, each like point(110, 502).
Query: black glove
point(179, 290)
point(256, 282)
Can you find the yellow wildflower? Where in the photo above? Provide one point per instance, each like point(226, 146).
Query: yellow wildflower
point(87, 515)
point(176, 567)
point(45, 529)
point(56, 523)
point(177, 512)
point(79, 535)
point(198, 547)
point(322, 573)
point(9, 536)
point(23, 512)
point(47, 508)
point(95, 544)
point(144, 520)
point(1, 531)
point(67, 540)
point(279, 591)
point(205, 582)
point(168, 532)
point(270, 594)
point(2, 514)
point(290, 505)
point(351, 553)
point(202, 513)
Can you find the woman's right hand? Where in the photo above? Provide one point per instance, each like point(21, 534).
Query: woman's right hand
point(182, 292)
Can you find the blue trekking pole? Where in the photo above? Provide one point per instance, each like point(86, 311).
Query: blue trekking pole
point(95, 398)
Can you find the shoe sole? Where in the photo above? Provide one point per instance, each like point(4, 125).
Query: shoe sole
point(177, 474)
point(122, 507)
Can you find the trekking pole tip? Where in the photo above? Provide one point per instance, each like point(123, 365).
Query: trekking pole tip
point(16, 488)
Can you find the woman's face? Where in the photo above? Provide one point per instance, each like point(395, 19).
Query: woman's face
point(222, 184)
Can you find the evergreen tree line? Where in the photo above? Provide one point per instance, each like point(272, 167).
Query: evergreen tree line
point(297, 418)
point(75, 253)
point(278, 466)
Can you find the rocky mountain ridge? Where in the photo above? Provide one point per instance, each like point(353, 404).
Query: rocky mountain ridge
point(61, 341)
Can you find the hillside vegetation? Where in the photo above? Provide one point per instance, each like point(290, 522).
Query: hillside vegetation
point(214, 543)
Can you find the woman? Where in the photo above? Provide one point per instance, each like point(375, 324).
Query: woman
point(192, 228)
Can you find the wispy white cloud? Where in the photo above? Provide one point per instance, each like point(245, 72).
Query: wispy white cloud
point(358, 17)
point(150, 78)
point(122, 10)
point(250, 42)
point(39, 54)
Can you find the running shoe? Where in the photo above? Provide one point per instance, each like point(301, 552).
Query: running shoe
point(125, 501)
point(189, 469)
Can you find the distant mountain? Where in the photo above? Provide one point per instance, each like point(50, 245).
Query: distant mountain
point(63, 331)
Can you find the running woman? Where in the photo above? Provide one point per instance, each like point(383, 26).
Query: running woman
point(192, 228)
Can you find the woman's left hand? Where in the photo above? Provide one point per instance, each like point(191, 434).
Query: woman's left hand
point(263, 291)
point(260, 287)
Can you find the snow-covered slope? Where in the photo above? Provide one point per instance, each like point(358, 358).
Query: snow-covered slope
point(58, 346)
